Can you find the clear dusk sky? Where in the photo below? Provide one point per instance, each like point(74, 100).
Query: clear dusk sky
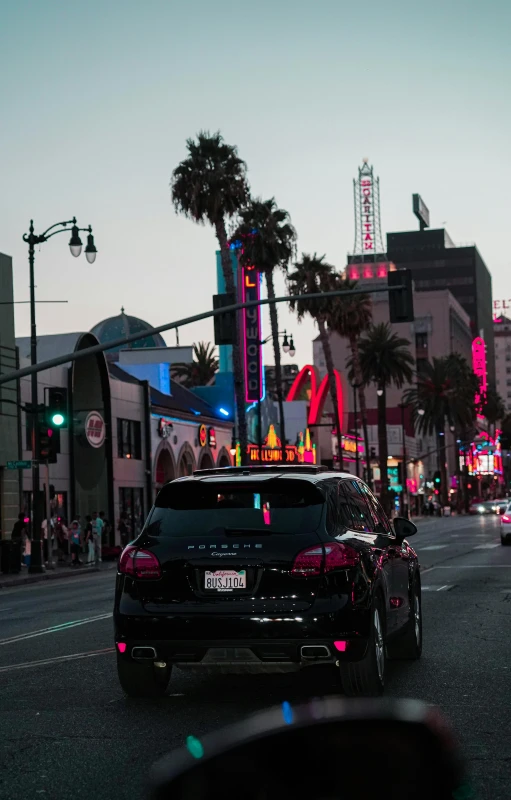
point(97, 99)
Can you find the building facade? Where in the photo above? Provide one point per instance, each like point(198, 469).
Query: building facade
point(125, 436)
point(502, 337)
point(436, 263)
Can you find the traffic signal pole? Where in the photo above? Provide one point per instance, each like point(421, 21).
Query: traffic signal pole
point(36, 564)
point(50, 564)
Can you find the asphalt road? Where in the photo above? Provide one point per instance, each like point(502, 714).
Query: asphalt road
point(66, 729)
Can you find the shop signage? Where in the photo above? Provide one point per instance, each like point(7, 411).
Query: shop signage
point(272, 451)
point(369, 271)
point(251, 335)
point(203, 436)
point(500, 306)
point(165, 428)
point(318, 395)
point(211, 437)
point(19, 464)
point(479, 367)
point(95, 429)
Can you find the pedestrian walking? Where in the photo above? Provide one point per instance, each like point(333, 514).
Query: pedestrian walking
point(89, 539)
point(97, 529)
point(62, 534)
point(75, 543)
point(20, 534)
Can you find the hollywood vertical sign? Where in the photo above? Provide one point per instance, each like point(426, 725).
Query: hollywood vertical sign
point(251, 335)
point(367, 206)
point(479, 367)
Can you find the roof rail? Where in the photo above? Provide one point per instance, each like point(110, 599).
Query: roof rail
point(307, 469)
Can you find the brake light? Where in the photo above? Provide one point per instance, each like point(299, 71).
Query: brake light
point(139, 563)
point(505, 518)
point(311, 562)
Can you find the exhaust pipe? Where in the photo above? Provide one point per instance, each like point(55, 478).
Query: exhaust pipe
point(143, 653)
point(311, 652)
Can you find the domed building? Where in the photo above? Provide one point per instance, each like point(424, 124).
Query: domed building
point(124, 325)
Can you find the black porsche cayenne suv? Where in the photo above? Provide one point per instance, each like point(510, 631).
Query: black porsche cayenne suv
point(267, 569)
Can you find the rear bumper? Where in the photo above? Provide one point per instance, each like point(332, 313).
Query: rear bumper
point(191, 639)
point(245, 655)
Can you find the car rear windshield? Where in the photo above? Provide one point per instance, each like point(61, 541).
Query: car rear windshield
point(197, 508)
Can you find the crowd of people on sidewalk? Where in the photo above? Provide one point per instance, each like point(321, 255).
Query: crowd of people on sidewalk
point(76, 543)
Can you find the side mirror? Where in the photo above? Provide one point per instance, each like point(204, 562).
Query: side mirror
point(262, 757)
point(404, 528)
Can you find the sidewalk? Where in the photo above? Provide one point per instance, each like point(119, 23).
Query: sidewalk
point(61, 571)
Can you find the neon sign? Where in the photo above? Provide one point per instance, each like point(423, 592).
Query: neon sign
point(251, 331)
point(318, 395)
point(479, 367)
point(367, 205)
point(272, 451)
point(369, 271)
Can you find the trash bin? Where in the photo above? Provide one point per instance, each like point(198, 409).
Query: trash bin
point(10, 556)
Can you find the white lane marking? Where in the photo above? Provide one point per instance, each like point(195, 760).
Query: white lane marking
point(471, 566)
point(423, 571)
point(485, 546)
point(433, 547)
point(437, 588)
point(57, 659)
point(54, 629)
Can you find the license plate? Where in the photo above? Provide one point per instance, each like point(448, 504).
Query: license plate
point(225, 580)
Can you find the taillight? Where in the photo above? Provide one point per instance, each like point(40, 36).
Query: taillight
point(505, 518)
point(139, 563)
point(310, 562)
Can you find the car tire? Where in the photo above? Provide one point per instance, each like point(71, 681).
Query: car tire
point(409, 644)
point(504, 540)
point(142, 680)
point(366, 678)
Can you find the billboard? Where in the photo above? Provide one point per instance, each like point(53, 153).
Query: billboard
point(421, 211)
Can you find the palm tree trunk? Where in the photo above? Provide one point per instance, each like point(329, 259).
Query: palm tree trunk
point(355, 357)
point(329, 361)
point(383, 449)
point(225, 256)
point(274, 322)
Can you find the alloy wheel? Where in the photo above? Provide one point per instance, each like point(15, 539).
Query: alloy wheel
point(378, 643)
point(417, 619)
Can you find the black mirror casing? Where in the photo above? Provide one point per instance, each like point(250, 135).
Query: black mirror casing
point(403, 745)
point(404, 528)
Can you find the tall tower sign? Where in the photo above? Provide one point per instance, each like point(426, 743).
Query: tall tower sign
point(368, 238)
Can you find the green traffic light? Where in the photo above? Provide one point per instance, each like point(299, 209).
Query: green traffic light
point(57, 419)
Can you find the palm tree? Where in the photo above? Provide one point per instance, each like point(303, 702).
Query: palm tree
point(350, 317)
point(444, 393)
point(201, 371)
point(210, 185)
point(493, 408)
point(312, 274)
point(268, 243)
point(384, 360)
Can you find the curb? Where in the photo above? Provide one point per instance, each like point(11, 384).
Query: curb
point(50, 575)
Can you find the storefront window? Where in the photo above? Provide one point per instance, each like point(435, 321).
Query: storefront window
point(131, 503)
point(128, 439)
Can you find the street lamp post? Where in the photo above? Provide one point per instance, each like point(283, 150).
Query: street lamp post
point(355, 387)
point(75, 245)
point(288, 347)
point(404, 491)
